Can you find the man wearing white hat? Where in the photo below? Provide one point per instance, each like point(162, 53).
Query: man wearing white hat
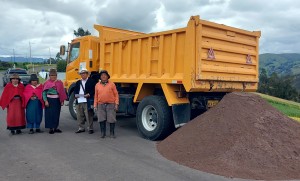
point(84, 90)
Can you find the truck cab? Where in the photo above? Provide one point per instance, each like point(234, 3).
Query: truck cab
point(83, 52)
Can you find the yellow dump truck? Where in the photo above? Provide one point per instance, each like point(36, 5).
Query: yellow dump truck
point(169, 77)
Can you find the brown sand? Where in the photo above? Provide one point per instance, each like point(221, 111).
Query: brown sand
point(242, 137)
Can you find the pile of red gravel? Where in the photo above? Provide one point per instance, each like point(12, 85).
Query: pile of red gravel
point(242, 137)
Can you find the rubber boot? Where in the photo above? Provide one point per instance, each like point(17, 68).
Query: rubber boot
point(103, 129)
point(112, 130)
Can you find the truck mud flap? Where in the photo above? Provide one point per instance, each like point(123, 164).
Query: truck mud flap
point(181, 114)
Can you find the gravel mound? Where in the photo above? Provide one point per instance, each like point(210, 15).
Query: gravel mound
point(242, 137)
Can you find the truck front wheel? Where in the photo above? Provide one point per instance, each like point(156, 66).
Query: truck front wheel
point(154, 118)
point(72, 106)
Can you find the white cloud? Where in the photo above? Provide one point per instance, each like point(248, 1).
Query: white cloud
point(135, 14)
point(50, 23)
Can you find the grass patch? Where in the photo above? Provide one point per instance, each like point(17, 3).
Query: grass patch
point(289, 108)
point(295, 118)
point(41, 80)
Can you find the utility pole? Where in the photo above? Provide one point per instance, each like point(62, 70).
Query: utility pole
point(14, 55)
point(50, 55)
point(30, 57)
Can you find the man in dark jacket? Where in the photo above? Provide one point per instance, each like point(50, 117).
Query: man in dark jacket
point(84, 91)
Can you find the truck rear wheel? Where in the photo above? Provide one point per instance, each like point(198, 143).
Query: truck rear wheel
point(154, 118)
point(72, 106)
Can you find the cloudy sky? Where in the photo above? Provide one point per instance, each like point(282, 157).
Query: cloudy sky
point(47, 24)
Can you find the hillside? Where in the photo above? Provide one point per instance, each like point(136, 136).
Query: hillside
point(22, 59)
point(282, 64)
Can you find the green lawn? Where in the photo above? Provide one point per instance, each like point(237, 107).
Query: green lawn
point(40, 67)
point(289, 108)
point(41, 80)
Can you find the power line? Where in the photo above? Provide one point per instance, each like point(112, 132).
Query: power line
point(5, 49)
point(16, 52)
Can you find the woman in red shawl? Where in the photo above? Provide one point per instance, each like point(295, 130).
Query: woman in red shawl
point(12, 98)
point(34, 104)
point(54, 95)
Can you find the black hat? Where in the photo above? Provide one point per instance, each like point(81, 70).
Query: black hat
point(33, 77)
point(104, 72)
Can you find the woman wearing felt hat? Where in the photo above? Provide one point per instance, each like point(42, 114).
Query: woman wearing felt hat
point(13, 99)
point(34, 104)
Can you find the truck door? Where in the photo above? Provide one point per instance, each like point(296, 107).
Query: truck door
point(72, 67)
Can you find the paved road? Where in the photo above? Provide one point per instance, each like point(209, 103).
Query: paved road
point(70, 156)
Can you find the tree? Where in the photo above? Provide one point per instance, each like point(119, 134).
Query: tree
point(81, 32)
point(58, 57)
point(273, 84)
point(278, 86)
point(5, 65)
point(263, 81)
point(61, 66)
point(52, 60)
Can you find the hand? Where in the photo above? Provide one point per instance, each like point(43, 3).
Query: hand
point(46, 103)
point(116, 107)
point(87, 95)
point(95, 109)
point(32, 98)
point(62, 103)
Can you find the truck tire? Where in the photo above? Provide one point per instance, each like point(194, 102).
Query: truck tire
point(154, 118)
point(72, 106)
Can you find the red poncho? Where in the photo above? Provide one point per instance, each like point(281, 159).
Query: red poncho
point(31, 91)
point(9, 92)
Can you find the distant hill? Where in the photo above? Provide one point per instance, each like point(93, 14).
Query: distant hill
point(282, 64)
point(22, 59)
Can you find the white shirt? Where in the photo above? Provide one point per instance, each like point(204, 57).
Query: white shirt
point(81, 98)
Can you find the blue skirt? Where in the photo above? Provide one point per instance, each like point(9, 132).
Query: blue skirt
point(34, 113)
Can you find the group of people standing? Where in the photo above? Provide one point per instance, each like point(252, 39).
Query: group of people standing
point(25, 104)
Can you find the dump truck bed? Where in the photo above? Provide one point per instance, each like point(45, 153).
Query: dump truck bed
point(204, 56)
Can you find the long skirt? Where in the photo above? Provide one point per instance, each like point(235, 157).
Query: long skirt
point(15, 115)
point(34, 113)
point(52, 113)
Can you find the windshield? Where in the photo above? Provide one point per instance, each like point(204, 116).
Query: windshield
point(74, 51)
point(18, 72)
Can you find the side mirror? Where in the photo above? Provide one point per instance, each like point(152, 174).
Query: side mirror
point(62, 50)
